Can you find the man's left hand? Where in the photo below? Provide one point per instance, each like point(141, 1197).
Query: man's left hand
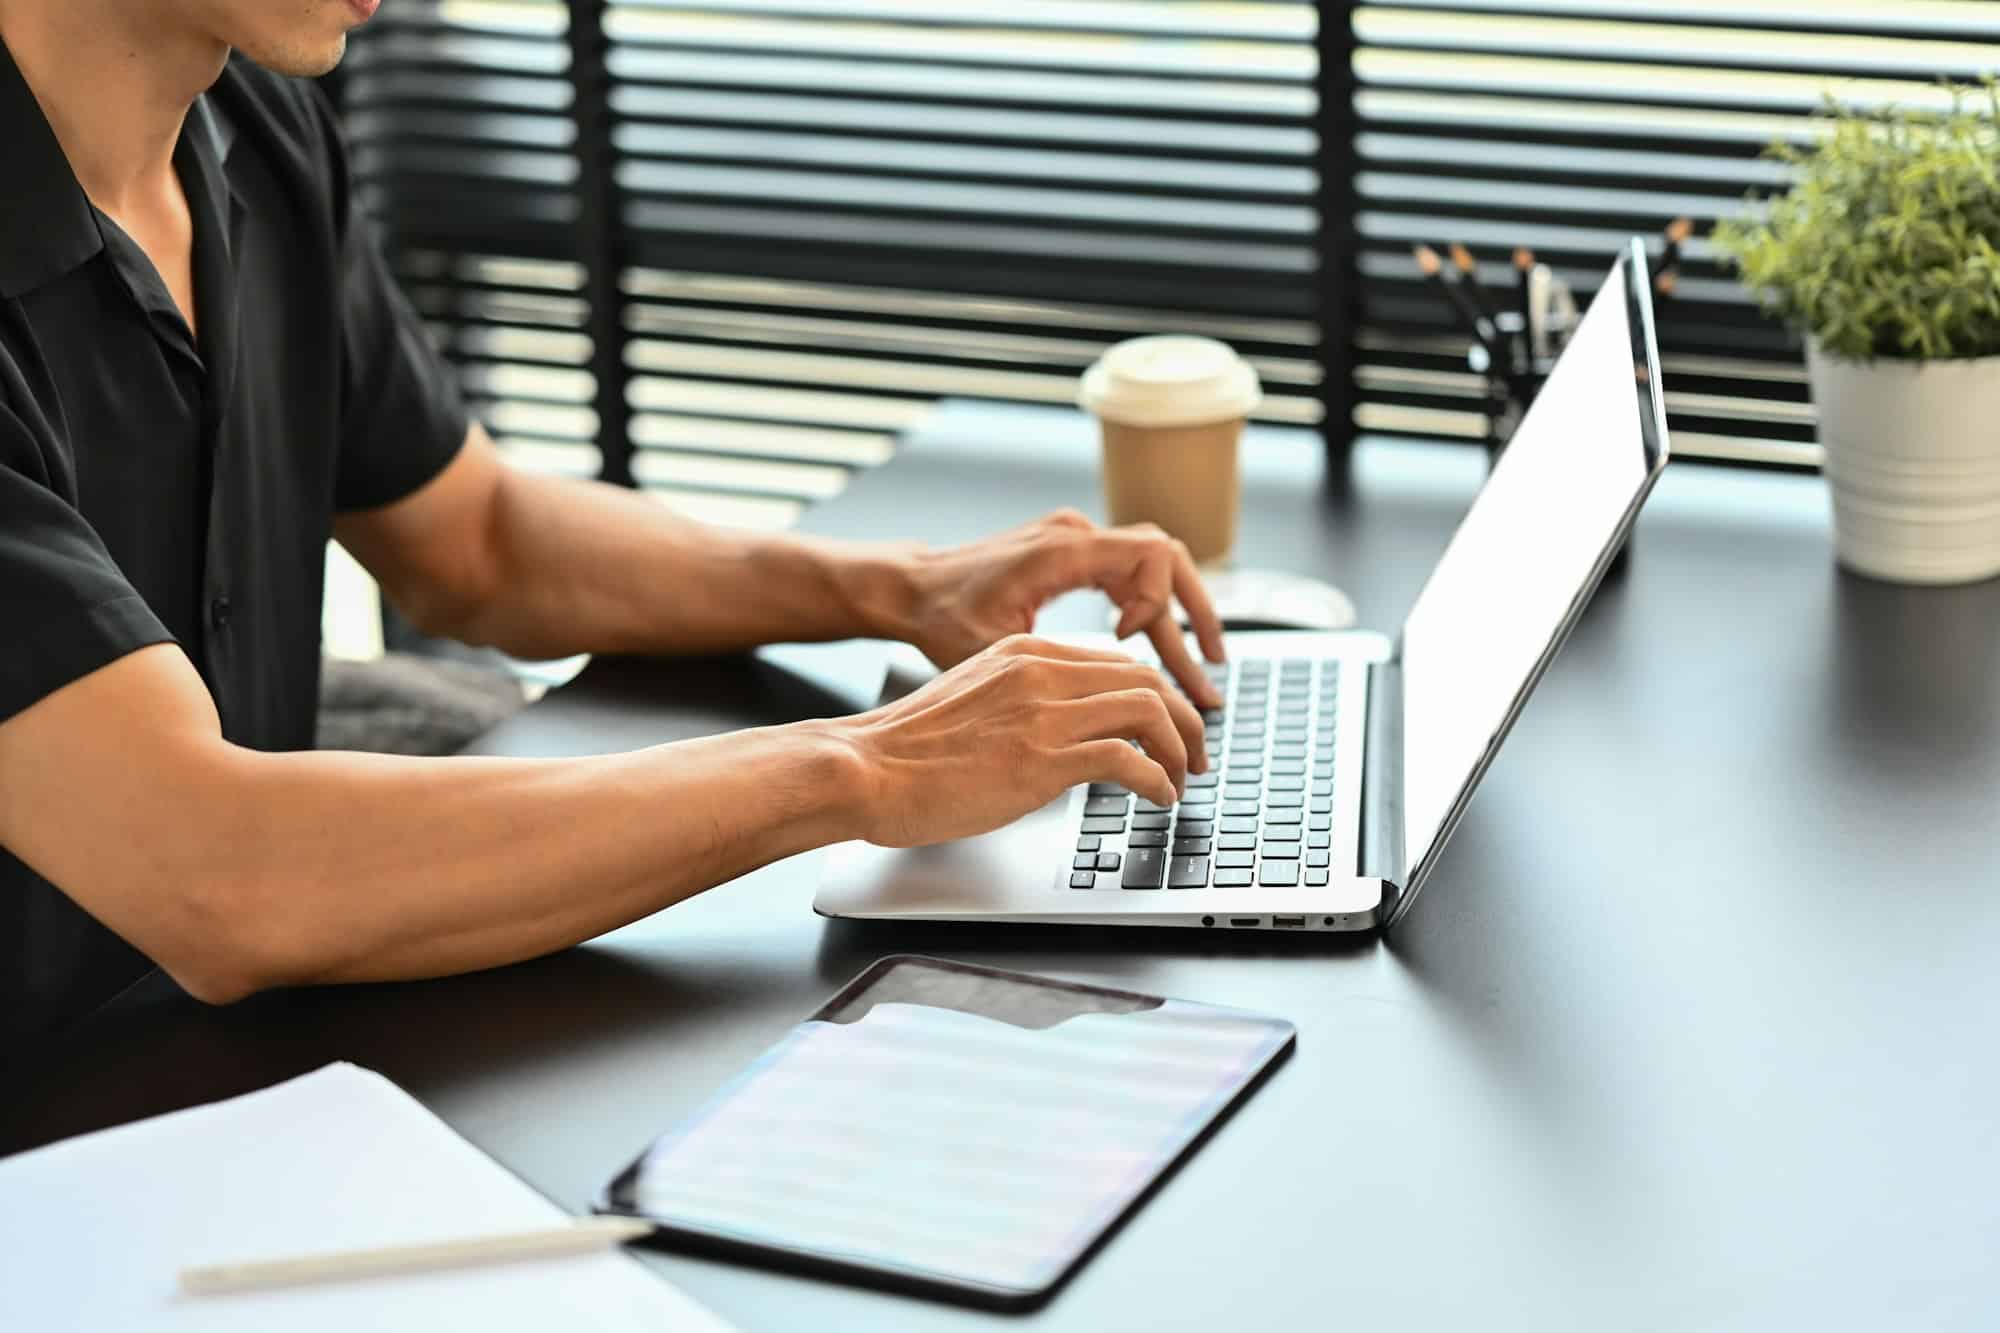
point(970, 596)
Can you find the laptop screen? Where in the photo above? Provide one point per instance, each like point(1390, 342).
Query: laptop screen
point(1528, 553)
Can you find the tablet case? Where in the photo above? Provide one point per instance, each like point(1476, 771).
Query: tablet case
point(952, 1130)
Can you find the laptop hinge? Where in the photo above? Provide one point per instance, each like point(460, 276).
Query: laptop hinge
point(1382, 780)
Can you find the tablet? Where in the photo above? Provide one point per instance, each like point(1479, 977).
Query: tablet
point(959, 1131)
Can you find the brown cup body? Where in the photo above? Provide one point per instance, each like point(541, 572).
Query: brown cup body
point(1184, 478)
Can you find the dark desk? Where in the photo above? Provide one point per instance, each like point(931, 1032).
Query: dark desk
point(1691, 1031)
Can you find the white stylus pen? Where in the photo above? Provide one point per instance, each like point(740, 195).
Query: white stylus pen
point(591, 1233)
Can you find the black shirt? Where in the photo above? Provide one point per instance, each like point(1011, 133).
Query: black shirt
point(157, 486)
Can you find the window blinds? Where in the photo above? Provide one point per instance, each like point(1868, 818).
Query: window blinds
point(729, 248)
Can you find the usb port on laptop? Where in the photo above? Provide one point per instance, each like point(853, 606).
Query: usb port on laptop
point(1295, 922)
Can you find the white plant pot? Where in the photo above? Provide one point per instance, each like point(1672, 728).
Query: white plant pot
point(1913, 464)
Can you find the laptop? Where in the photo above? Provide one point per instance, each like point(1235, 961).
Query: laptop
point(1342, 761)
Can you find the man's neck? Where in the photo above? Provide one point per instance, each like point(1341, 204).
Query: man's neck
point(115, 79)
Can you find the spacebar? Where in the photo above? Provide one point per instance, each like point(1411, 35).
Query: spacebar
point(1145, 867)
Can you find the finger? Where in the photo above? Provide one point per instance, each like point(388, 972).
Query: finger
point(1193, 596)
point(1115, 761)
point(1139, 715)
point(1172, 647)
point(1147, 582)
point(1076, 680)
point(1028, 645)
point(1158, 580)
point(1146, 599)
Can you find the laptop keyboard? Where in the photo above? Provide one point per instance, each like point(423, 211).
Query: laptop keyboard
point(1261, 815)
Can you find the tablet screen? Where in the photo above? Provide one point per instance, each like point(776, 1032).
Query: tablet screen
point(949, 1148)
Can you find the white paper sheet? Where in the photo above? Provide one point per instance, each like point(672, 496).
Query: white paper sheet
point(94, 1231)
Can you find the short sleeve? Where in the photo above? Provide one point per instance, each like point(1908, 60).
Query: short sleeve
point(402, 420)
point(67, 608)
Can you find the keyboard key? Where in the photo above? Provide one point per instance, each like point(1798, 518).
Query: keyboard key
point(1320, 823)
point(1197, 810)
point(1083, 879)
point(1322, 788)
point(1286, 784)
point(1234, 879)
point(1241, 791)
point(1291, 768)
point(1236, 842)
point(1319, 857)
point(1103, 824)
point(1279, 833)
point(1278, 874)
point(1297, 734)
point(1104, 805)
point(1319, 840)
point(1286, 816)
point(1321, 805)
point(1212, 715)
point(1089, 842)
point(1151, 821)
point(1188, 872)
point(1281, 851)
point(1195, 828)
point(1107, 789)
point(1192, 846)
point(1084, 861)
point(1235, 860)
point(1239, 826)
point(1145, 868)
point(1284, 800)
point(1151, 837)
point(1107, 861)
point(1317, 877)
point(1149, 808)
point(1201, 781)
point(1231, 809)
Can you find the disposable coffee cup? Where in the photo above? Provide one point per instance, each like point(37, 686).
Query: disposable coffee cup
point(1171, 410)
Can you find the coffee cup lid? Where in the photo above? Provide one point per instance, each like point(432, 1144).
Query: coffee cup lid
point(1170, 380)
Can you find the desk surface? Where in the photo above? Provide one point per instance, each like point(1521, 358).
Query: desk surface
point(1691, 1031)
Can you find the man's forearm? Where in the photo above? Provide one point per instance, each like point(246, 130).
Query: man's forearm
point(586, 567)
point(279, 869)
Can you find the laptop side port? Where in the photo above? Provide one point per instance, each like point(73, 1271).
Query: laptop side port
point(1289, 922)
point(1246, 920)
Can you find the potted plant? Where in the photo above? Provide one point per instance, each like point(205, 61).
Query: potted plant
point(1885, 253)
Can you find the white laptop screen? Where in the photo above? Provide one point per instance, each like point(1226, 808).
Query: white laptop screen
point(1501, 598)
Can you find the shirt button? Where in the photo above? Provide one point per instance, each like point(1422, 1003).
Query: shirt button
point(218, 613)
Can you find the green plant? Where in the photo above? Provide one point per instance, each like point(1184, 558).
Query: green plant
point(1888, 243)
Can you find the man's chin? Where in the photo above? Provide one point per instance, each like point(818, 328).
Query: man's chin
point(299, 60)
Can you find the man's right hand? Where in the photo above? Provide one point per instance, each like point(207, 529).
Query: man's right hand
point(1012, 728)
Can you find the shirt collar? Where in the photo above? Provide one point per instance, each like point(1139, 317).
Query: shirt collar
point(47, 226)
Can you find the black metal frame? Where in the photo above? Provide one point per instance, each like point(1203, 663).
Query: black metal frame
point(1339, 277)
point(602, 234)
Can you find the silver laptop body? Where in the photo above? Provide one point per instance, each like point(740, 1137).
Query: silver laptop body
point(1345, 760)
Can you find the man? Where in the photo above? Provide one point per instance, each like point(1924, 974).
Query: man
point(204, 373)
